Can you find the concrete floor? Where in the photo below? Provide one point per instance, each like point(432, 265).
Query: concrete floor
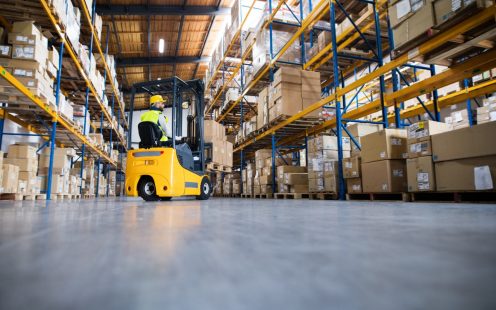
point(246, 254)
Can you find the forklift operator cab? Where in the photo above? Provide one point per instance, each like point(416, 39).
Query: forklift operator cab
point(160, 170)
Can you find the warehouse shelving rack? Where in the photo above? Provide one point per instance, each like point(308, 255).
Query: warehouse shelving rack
point(69, 135)
point(457, 72)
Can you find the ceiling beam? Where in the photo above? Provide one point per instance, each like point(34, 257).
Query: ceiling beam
point(156, 10)
point(169, 60)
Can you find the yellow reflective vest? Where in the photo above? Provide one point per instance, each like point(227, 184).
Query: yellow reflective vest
point(153, 116)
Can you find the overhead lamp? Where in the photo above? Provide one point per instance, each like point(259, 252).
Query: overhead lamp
point(161, 45)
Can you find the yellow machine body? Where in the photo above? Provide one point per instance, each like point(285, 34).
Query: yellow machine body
point(161, 164)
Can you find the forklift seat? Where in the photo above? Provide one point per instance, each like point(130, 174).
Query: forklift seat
point(150, 135)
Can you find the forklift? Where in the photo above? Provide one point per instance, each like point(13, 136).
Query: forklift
point(161, 171)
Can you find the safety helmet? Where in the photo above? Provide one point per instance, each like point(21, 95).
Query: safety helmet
point(156, 98)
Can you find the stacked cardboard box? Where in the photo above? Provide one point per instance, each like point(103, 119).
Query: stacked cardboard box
point(10, 179)
point(31, 63)
point(25, 157)
point(222, 150)
point(69, 18)
point(60, 171)
point(419, 165)
point(285, 182)
point(218, 184)
point(263, 108)
point(465, 159)
point(247, 176)
point(293, 90)
point(232, 184)
point(383, 161)
point(410, 19)
point(487, 113)
point(322, 153)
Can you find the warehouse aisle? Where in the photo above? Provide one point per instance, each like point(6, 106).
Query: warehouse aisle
point(246, 254)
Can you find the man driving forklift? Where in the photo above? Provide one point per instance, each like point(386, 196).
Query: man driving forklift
point(155, 115)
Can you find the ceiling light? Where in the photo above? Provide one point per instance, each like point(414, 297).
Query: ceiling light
point(161, 45)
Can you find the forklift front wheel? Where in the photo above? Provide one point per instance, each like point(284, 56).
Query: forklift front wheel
point(205, 189)
point(147, 189)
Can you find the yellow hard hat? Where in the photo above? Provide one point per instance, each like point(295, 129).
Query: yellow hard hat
point(155, 99)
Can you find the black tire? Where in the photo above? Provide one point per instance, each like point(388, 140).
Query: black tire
point(147, 190)
point(165, 198)
point(205, 189)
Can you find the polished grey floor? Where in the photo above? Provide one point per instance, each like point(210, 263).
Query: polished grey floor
point(247, 254)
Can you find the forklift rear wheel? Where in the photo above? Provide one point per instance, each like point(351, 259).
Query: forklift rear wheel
point(147, 189)
point(205, 189)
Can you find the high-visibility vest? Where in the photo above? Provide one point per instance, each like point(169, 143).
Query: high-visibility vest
point(152, 116)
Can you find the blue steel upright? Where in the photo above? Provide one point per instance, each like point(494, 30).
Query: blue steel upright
point(54, 124)
point(394, 75)
point(339, 125)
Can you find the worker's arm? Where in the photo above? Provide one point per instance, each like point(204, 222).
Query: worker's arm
point(163, 124)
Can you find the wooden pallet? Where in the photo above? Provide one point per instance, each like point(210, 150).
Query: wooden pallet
point(454, 196)
point(33, 197)
point(264, 196)
point(218, 167)
point(11, 197)
point(323, 196)
point(379, 196)
point(291, 195)
point(247, 196)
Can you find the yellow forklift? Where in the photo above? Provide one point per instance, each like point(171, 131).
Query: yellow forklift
point(161, 171)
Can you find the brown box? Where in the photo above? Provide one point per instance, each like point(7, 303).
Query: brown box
point(420, 173)
point(228, 161)
point(265, 179)
point(384, 176)
point(331, 184)
point(415, 26)
point(295, 178)
point(467, 174)
point(324, 39)
point(384, 144)
point(464, 143)
point(266, 189)
point(21, 151)
point(299, 188)
point(354, 185)
point(422, 130)
point(362, 129)
point(210, 130)
point(24, 164)
point(289, 105)
point(315, 185)
point(10, 178)
point(281, 170)
point(287, 75)
point(351, 167)
point(418, 149)
point(256, 190)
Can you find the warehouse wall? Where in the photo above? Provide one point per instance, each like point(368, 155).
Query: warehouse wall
point(168, 112)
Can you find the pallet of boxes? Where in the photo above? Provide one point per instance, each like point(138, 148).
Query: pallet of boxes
point(352, 166)
point(19, 180)
point(88, 180)
point(323, 176)
point(419, 165)
point(231, 186)
point(28, 58)
point(292, 182)
point(221, 156)
point(64, 184)
point(465, 163)
point(383, 165)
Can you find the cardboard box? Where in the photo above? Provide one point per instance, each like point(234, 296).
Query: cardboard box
point(360, 129)
point(354, 185)
point(256, 190)
point(384, 176)
point(287, 75)
point(10, 178)
point(324, 39)
point(281, 170)
point(404, 9)
point(464, 143)
point(21, 151)
point(299, 188)
point(469, 174)
point(266, 189)
point(287, 107)
point(24, 164)
point(315, 185)
point(325, 142)
point(265, 179)
point(384, 144)
point(418, 149)
point(228, 161)
point(422, 130)
point(351, 167)
point(420, 174)
point(331, 184)
point(295, 178)
point(416, 25)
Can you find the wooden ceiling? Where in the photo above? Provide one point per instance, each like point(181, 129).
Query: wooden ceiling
point(130, 36)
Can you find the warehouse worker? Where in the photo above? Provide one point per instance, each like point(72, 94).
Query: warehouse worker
point(155, 115)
